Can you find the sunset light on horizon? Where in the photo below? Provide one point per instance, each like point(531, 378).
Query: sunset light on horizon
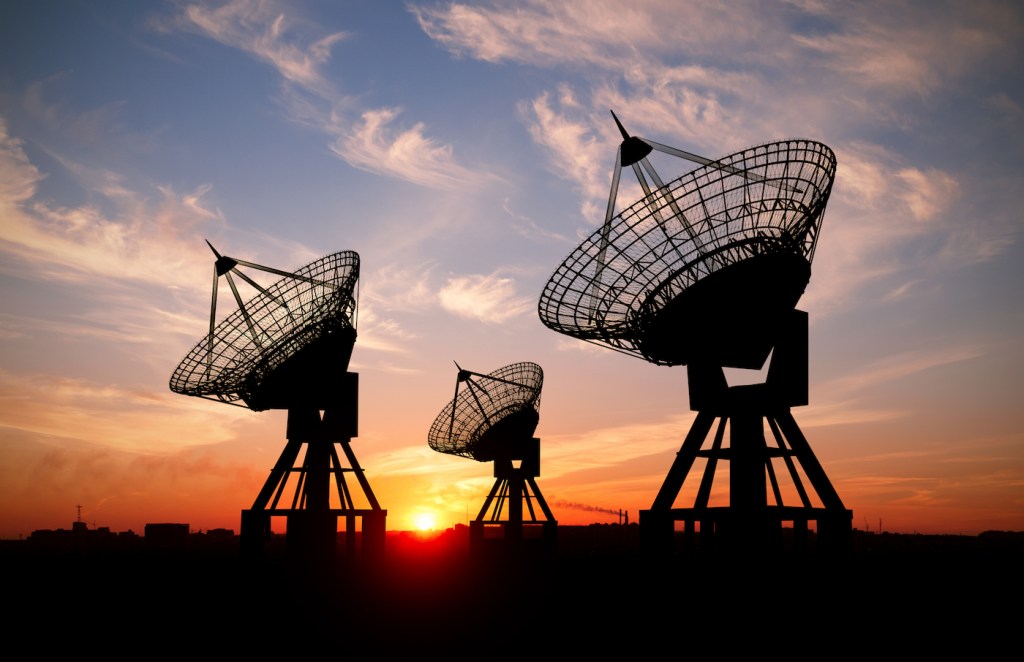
point(463, 150)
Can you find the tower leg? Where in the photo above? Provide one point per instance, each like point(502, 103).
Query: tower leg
point(516, 493)
point(751, 522)
point(514, 527)
point(684, 461)
point(312, 522)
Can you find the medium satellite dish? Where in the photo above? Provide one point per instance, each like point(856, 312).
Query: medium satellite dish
point(288, 343)
point(706, 271)
point(288, 347)
point(492, 418)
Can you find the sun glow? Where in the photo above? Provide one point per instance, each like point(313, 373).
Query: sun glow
point(425, 522)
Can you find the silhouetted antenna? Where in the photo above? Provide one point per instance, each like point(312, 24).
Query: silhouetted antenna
point(706, 271)
point(492, 418)
point(288, 347)
point(491, 411)
point(237, 359)
point(623, 287)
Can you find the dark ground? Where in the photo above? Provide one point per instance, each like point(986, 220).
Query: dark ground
point(890, 597)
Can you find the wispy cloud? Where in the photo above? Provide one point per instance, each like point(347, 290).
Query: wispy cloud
point(394, 291)
point(100, 127)
point(375, 146)
point(927, 194)
point(849, 400)
point(529, 228)
point(421, 460)
point(263, 29)
point(914, 50)
point(369, 138)
point(400, 287)
point(902, 365)
point(114, 326)
point(1009, 108)
point(575, 345)
point(876, 180)
point(129, 268)
point(490, 298)
point(892, 222)
point(826, 411)
point(606, 447)
point(382, 334)
point(671, 59)
point(908, 47)
point(109, 416)
point(18, 177)
point(541, 33)
point(580, 138)
point(144, 242)
point(575, 152)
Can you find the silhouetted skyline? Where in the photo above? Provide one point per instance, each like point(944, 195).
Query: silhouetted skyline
point(922, 597)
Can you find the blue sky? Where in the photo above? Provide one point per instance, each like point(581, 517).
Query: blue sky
point(464, 150)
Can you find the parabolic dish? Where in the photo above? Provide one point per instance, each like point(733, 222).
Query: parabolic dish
point(496, 410)
point(294, 337)
point(702, 266)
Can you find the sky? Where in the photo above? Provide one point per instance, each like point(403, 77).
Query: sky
point(463, 150)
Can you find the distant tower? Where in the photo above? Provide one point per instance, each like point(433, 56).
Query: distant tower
point(706, 271)
point(289, 348)
point(493, 419)
point(79, 525)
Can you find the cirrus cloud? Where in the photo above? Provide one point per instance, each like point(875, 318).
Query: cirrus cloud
point(485, 297)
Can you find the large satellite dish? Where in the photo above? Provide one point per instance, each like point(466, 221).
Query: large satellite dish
point(492, 418)
point(706, 271)
point(288, 347)
point(298, 333)
point(696, 266)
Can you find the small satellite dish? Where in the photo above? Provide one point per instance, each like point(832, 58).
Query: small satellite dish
point(492, 413)
point(492, 418)
point(288, 343)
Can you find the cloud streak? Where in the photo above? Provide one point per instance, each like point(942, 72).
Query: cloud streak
point(109, 416)
point(263, 30)
point(903, 365)
point(489, 298)
point(369, 138)
point(373, 145)
point(145, 242)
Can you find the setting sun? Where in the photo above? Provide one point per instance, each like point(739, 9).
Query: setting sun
point(425, 522)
